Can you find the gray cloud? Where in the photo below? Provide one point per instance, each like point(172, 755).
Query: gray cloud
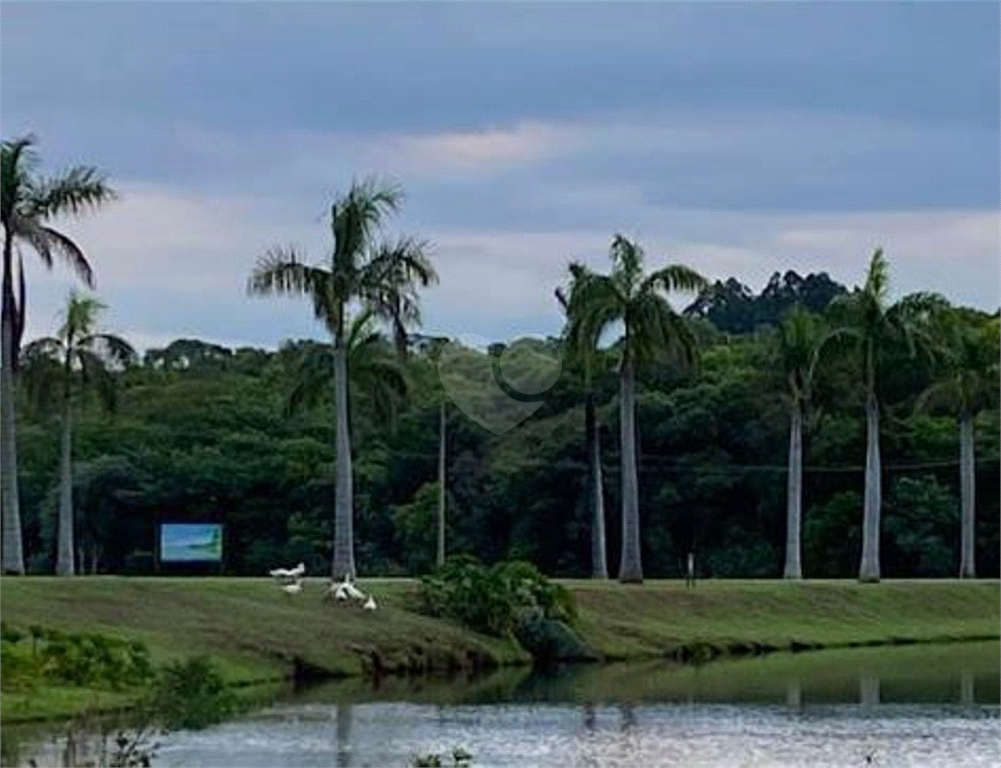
point(741, 138)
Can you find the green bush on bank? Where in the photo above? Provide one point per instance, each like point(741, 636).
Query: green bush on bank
point(495, 600)
point(186, 694)
point(80, 659)
point(192, 694)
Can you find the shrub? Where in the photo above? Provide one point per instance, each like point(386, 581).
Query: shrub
point(493, 600)
point(92, 660)
point(21, 670)
point(192, 694)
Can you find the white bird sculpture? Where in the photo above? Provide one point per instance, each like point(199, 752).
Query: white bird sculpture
point(351, 590)
point(370, 604)
point(289, 573)
point(336, 591)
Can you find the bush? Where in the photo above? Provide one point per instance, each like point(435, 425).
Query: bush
point(94, 660)
point(91, 660)
point(21, 669)
point(493, 600)
point(192, 694)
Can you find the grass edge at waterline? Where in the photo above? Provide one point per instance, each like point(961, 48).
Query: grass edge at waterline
point(256, 633)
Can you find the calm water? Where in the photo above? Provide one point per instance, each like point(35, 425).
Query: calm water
point(901, 706)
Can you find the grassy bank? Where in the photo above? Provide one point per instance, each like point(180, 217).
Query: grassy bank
point(257, 633)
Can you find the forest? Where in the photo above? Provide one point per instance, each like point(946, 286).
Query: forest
point(247, 437)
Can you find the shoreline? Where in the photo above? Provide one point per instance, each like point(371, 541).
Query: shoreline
point(258, 637)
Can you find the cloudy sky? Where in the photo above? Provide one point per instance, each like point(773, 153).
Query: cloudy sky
point(740, 139)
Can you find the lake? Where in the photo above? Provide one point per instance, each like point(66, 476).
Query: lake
point(917, 705)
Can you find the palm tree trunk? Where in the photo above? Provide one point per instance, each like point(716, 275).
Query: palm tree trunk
point(440, 556)
point(599, 560)
point(630, 569)
point(869, 570)
point(794, 494)
point(967, 493)
point(11, 551)
point(344, 557)
point(64, 559)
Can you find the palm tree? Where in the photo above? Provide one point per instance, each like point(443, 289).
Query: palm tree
point(585, 350)
point(27, 204)
point(652, 329)
point(373, 368)
point(382, 277)
point(968, 383)
point(77, 357)
point(866, 318)
point(798, 344)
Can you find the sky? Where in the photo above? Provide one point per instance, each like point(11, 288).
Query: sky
point(738, 138)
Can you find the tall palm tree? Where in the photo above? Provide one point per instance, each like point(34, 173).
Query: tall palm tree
point(968, 383)
point(382, 277)
point(28, 203)
point(77, 357)
point(866, 318)
point(585, 351)
point(652, 329)
point(799, 341)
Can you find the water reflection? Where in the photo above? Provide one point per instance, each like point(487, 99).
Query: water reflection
point(344, 735)
point(868, 690)
point(794, 694)
point(818, 708)
point(966, 687)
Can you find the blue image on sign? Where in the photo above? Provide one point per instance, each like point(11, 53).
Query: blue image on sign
point(190, 542)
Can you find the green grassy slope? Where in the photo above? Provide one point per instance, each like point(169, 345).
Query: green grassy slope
point(630, 622)
point(256, 632)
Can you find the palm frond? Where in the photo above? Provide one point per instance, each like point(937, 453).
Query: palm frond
point(361, 327)
point(95, 375)
point(944, 395)
point(113, 349)
point(676, 277)
point(355, 216)
point(279, 271)
point(42, 373)
point(389, 284)
point(655, 331)
point(595, 303)
point(627, 263)
point(79, 317)
point(314, 379)
point(46, 347)
point(17, 159)
point(48, 242)
point(877, 281)
point(20, 310)
point(76, 190)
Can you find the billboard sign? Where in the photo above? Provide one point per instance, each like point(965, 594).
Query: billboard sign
point(191, 543)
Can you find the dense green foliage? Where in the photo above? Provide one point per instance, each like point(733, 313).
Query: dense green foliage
point(202, 432)
point(71, 658)
point(192, 694)
point(494, 600)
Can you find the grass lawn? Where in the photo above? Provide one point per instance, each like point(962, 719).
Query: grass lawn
point(256, 632)
point(627, 622)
